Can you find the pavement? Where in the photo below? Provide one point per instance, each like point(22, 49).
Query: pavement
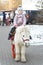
point(34, 54)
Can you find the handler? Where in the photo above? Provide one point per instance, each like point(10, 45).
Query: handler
point(19, 20)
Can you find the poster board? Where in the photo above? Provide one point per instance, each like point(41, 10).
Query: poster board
point(7, 5)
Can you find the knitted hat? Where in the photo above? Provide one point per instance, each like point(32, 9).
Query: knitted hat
point(19, 9)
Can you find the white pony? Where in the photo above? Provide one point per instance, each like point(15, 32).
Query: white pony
point(21, 40)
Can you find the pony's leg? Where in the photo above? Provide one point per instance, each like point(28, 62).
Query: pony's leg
point(17, 50)
point(13, 50)
point(23, 58)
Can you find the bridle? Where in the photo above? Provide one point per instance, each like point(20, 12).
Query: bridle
point(25, 40)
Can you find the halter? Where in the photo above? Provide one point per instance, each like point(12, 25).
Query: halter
point(25, 40)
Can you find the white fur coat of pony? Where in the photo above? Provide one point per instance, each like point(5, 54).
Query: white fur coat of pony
point(21, 40)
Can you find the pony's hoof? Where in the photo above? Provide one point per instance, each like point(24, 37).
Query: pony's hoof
point(17, 60)
point(23, 60)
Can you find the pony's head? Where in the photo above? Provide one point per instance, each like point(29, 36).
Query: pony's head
point(24, 34)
